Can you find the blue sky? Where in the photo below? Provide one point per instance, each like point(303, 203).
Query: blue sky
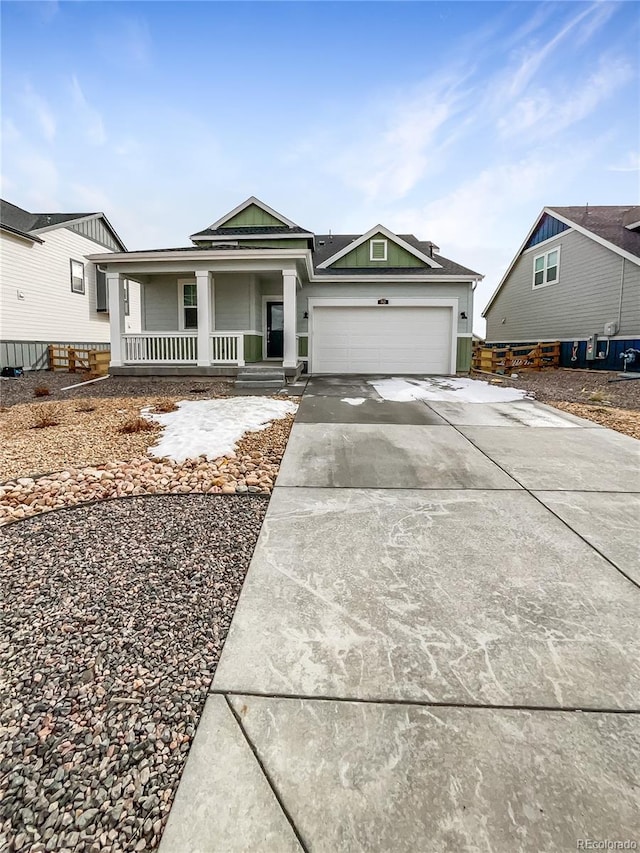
point(455, 121)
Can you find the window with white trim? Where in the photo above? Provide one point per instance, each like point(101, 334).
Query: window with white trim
point(377, 250)
point(546, 268)
point(189, 306)
point(77, 277)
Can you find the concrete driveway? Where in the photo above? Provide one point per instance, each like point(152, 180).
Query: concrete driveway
point(437, 647)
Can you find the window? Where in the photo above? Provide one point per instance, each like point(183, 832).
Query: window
point(77, 276)
point(546, 268)
point(189, 306)
point(102, 297)
point(377, 250)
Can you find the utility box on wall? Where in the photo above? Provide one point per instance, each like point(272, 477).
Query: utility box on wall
point(592, 347)
point(610, 329)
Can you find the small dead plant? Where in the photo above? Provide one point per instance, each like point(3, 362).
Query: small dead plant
point(88, 405)
point(41, 391)
point(136, 424)
point(164, 405)
point(597, 396)
point(46, 415)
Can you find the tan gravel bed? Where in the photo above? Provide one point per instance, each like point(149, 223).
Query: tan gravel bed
point(66, 449)
point(626, 421)
point(81, 437)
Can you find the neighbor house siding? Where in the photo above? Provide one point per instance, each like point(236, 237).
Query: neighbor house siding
point(273, 244)
point(97, 231)
point(50, 311)
point(359, 258)
point(585, 297)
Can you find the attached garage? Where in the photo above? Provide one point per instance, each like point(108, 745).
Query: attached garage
point(362, 336)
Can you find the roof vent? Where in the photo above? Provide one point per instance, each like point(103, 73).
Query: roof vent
point(320, 242)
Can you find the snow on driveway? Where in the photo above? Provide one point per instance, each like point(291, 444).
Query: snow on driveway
point(212, 428)
point(456, 389)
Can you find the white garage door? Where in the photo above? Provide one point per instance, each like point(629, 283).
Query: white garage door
point(385, 339)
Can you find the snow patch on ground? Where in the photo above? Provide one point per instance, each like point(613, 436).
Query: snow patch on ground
point(456, 389)
point(212, 428)
point(353, 401)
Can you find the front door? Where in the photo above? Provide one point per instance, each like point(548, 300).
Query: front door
point(275, 329)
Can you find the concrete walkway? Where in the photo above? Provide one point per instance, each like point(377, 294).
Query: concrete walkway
point(437, 647)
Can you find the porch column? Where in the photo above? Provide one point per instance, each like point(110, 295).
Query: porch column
point(289, 294)
point(204, 318)
point(115, 290)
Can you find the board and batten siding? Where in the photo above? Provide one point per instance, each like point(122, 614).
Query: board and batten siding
point(38, 304)
point(585, 297)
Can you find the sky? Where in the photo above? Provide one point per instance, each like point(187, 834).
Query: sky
point(457, 122)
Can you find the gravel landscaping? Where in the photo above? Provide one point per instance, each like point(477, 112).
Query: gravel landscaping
point(22, 390)
point(113, 620)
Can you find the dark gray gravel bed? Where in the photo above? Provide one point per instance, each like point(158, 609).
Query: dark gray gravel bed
point(21, 390)
point(113, 617)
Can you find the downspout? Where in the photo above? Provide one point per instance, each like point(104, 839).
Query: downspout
point(621, 292)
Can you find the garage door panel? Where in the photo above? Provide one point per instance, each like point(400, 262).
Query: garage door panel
point(367, 339)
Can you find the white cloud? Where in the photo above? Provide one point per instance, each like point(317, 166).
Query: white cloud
point(631, 163)
point(546, 112)
point(40, 111)
point(90, 117)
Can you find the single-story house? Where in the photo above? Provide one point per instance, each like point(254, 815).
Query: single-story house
point(256, 288)
point(576, 279)
point(51, 293)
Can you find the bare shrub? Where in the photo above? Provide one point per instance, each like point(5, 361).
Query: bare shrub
point(41, 391)
point(46, 415)
point(136, 424)
point(88, 405)
point(164, 405)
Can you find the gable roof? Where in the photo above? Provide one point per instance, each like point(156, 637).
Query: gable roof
point(20, 221)
point(218, 227)
point(610, 225)
point(329, 245)
point(378, 229)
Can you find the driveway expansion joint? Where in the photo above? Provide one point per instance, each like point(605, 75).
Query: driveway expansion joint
point(265, 772)
point(555, 514)
point(419, 703)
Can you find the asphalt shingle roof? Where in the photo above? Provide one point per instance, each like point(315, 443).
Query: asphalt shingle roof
point(250, 229)
point(608, 222)
point(18, 219)
point(334, 243)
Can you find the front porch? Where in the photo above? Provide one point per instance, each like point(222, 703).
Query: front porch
point(198, 323)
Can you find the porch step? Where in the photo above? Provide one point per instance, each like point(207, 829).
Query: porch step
point(260, 377)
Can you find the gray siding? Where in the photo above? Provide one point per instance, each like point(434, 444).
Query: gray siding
point(586, 296)
point(96, 230)
point(34, 355)
point(233, 301)
point(160, 301)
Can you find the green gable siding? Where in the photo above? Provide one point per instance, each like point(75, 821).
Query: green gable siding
point(273, 244)
point(396, 257)
point(252, 216)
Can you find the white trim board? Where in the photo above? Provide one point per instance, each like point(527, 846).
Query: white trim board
point(399, 302)
point(380, 229)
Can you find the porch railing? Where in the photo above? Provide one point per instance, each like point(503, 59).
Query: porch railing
point(160, 348)
point(181, 348)
point(227, 349)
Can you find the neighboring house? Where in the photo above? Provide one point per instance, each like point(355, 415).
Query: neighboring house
point(50, 292)
point(256, 287)
point(576, 278)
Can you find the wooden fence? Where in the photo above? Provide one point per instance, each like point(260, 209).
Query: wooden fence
point(79, 360)
point(508, 359)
